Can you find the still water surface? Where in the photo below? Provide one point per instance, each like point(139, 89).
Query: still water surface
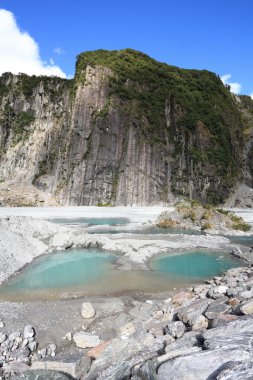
point(93, 272)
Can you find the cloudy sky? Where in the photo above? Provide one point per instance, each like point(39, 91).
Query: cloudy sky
point(44, 37)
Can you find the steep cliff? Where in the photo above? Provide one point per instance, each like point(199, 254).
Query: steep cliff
point(126, 130)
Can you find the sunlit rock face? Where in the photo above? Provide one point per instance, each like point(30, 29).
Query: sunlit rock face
point(126, 130)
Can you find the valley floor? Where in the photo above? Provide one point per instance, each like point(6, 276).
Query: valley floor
point(165, 331)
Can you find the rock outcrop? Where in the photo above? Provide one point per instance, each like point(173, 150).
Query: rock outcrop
point(125, 130)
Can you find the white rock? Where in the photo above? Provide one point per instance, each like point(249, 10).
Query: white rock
point(85, 340)
point(14, 335)
point(3, 337)
point(29, 332)
point(1, 324)
point(32, 346)
point(87, 310)
point(24, 343)
point(127, 329)
point(69, 336)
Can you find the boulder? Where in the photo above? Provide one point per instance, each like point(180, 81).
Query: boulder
point(238, 370)
point(76, 364)
point(222, 319)
point(247, 308)
point(175, 329)
point(87, 310)
point(189, 313)
point(215, 309)
point(198, 365)
point(199, 323)
point(41, 375)
point(216, 292)
point(188, 340)
point(85, 340)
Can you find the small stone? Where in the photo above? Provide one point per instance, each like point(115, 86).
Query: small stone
point(19, 340)
point(21, 354)
point(14, 335)
point(87, 310)
point(52, 348)
point(29, 332)
point(1, 324)
point(85, 340)
point(43, 352)
point(24, 343)
point(3, 337)
point(127, 329)
point(150, 302)
point(181, 297)
point(32, 346)
point(69, 336)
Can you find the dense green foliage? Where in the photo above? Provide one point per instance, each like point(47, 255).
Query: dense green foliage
point(52, 86)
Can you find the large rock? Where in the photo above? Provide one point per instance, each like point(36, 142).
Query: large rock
point(247, 308)
point(175, 329)
point(236, 371)
point(87, 310)
point(85, 340)
point(199, 365)
point(215, 309)
point(188, 340)
point(41, 375)
point(188, 314)
point(217, 291)
point(117, 351)
point(223, 344)
point(76, 364)
point(199, 323)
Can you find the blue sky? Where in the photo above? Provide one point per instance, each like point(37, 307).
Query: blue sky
point(214, 35)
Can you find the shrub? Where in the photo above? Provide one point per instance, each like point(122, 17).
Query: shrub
point(167, 223)
point(206, 226)
point(241, 226)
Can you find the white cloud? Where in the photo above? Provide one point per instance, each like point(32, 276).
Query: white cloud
point(251, 96)
point(59, 51)
point(234, 87)
point(19, 52)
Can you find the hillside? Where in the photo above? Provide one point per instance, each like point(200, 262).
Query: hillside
point(126, 130)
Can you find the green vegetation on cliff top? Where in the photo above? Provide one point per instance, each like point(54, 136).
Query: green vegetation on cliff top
point(198, 96)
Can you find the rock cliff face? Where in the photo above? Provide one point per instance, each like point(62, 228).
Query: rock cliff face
point(125, 130)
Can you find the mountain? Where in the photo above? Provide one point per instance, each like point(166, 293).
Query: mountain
point(126, 130)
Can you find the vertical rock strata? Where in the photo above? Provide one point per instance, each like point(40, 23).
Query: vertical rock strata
point(125, 130)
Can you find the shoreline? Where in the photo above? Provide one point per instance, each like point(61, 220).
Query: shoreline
point(133, 322)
